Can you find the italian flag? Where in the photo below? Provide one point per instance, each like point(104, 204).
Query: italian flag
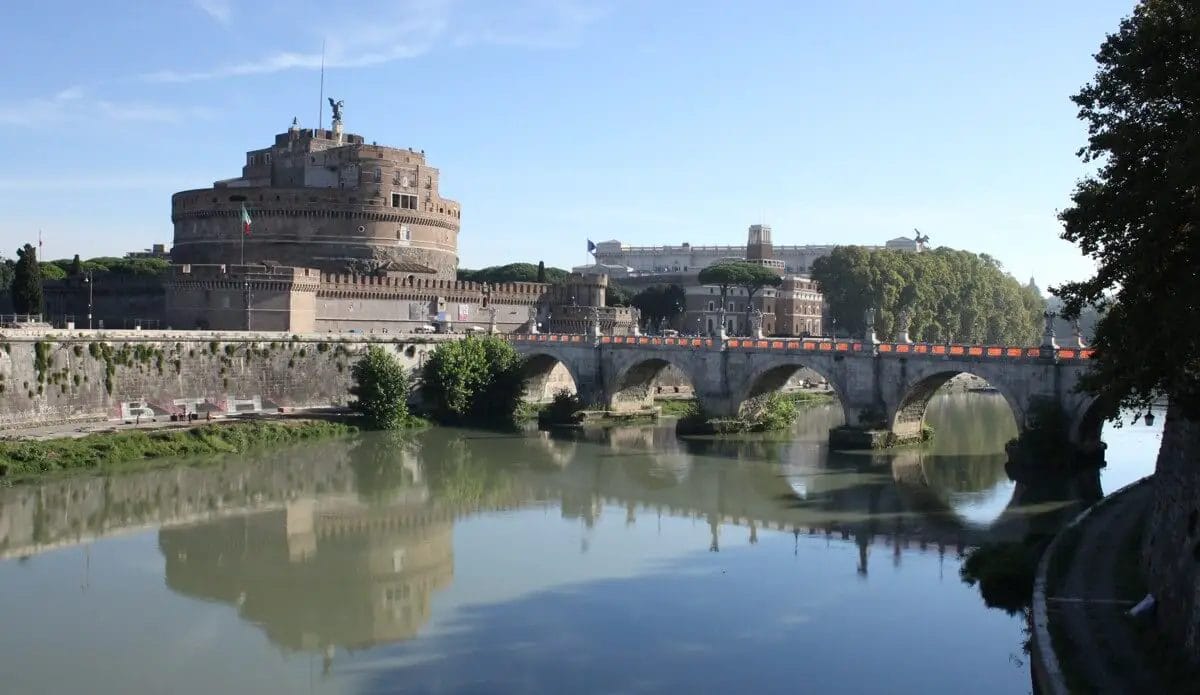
point(245, 220)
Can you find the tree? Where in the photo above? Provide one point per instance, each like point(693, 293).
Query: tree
point(513, 272)
point(541, 272)
point(7, 269)
point(948, 295)
point(27, 282)
point(76, 267)
point(51, 271)
point(1138, 216)
point(476, 379)
point(748, 276)
point(381, 385)
point(659, 303)
point(617, 295)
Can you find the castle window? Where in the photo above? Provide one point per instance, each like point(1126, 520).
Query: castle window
point(429, 182)
point(407, 201)
point(712, 306)
point(395, 200)
point(378, 176)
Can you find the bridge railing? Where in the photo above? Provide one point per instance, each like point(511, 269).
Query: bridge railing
point(1007, 352)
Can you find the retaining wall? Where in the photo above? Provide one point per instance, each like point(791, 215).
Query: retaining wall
point(60, 376)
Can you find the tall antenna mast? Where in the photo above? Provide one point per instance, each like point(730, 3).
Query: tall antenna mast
point(321, 98)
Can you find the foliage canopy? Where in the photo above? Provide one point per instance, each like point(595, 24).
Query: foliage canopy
point(26, 285)
point(949, 295)
point(659, 303)
point(476, 379)
point(381, 385)
point(1138, 215)
point(513, 272)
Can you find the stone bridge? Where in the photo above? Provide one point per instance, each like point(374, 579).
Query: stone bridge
point(882, 387)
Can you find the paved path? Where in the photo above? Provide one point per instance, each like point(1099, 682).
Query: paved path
point(1106, 650)
point(83, 428)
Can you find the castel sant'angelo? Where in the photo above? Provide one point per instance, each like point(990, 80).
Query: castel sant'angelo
point(325, 232)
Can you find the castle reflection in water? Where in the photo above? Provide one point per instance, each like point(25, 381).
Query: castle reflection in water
point(344, 544)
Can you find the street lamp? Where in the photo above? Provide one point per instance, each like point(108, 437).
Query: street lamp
point(1149, 419)
point(88, 279)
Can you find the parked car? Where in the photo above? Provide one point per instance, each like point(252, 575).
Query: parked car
point(425, 329)
point(477, 329)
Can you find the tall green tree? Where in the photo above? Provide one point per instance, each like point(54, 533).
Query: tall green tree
point(1138, 215)
point(1138, 218)
point(76, 266)
point(27, 282)
point(742, 274)
point(948, 295)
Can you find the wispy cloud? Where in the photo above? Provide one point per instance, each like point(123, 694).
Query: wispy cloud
point(220, 10)
point(72, 104)
point(400, 30)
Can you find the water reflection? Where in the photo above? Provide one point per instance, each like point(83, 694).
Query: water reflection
point(352, 545)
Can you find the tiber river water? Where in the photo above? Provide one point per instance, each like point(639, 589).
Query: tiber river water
point(603, 561)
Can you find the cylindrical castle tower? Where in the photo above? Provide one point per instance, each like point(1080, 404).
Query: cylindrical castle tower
point(324, 199)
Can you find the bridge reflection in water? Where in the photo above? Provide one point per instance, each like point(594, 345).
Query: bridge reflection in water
point(345, 544)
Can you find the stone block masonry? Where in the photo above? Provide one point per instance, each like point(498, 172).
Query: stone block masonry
point(58, 376)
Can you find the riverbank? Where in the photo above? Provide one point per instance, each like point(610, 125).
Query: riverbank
point(1088, 579)
point(114, 451)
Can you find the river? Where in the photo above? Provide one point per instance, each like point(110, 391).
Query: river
point(624, 560)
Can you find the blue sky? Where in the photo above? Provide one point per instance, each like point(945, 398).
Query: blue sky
point(556, 121)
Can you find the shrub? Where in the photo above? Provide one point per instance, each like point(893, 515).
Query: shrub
point(381, 386)
point(477, 379)
point(563, 410)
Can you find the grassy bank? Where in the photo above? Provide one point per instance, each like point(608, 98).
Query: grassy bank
point(109, 451)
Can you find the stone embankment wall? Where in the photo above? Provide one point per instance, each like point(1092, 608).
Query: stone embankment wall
point(60, 376)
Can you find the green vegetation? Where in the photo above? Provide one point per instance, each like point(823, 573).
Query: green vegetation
point(513, 272)
point(771, 413)
point(381, 386)
point(474, 380)
point(616, 294)
point(659, 303)
point(748, 276)
point(115, 450)
point(145, 267)
point(26, 285)
point(563, 410)
point(50, 271)
point(948, 295)
point(1135, 216)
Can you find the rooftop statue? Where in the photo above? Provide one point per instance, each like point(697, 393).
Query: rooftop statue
point(337, 109)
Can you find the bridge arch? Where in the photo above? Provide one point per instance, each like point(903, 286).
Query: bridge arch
point(546, 373)
point(633, 385)
point(1087, 422)
point(906, 418)
point(773, 376)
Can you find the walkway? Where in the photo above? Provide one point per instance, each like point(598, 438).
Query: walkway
point(1086, 606)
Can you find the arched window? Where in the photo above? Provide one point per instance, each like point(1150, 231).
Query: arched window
point(711, 307)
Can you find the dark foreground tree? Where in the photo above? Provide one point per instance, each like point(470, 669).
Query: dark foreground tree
point(1138, 218)
point(381, 385)
point(27, 282)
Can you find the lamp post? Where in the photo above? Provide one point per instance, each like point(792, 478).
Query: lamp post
point(246, 285)
point(88, 279)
